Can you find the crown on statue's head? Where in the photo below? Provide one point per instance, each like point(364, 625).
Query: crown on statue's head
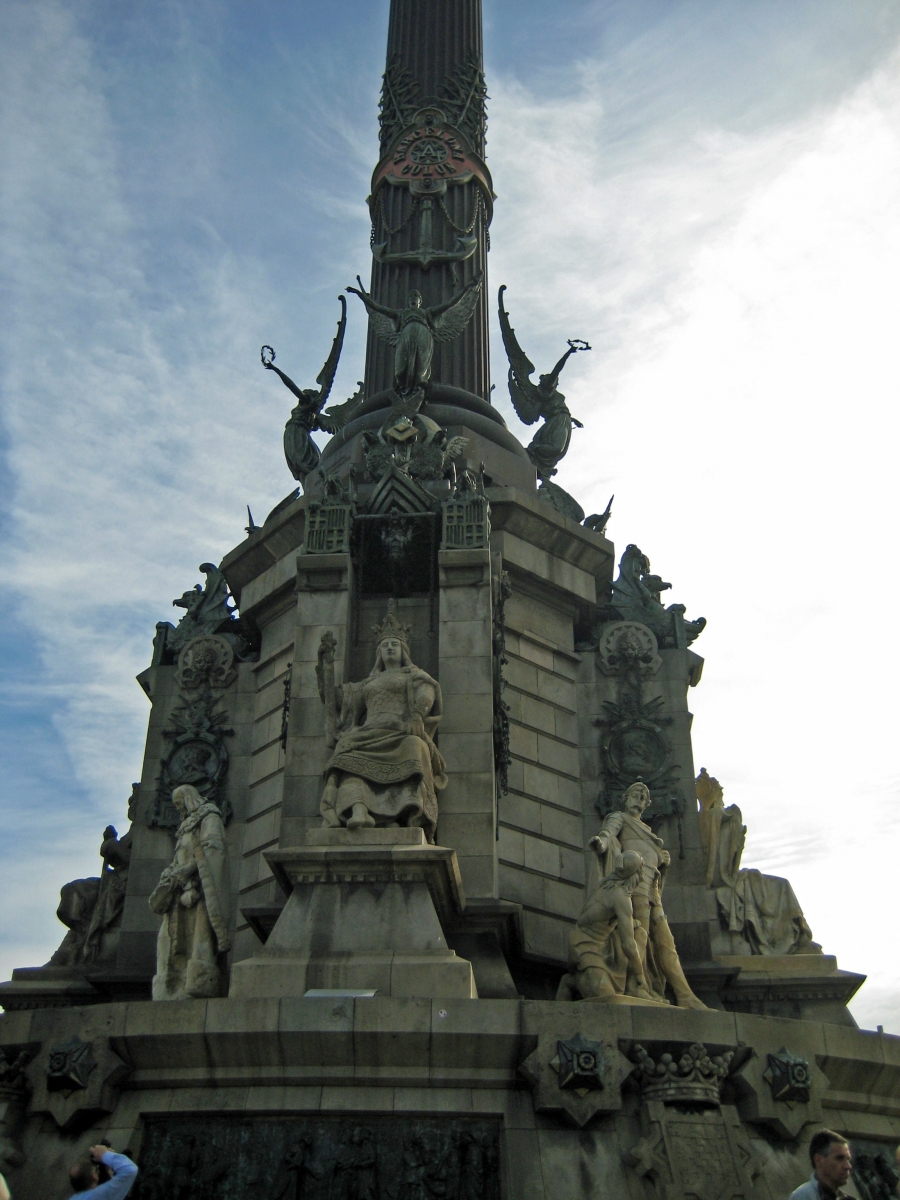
point(392, 627)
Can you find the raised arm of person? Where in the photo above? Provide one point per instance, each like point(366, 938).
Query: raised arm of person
point(124, 1174)
point(371, 305)
point(4, 1190)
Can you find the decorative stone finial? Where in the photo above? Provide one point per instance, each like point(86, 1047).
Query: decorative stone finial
point(392, 627)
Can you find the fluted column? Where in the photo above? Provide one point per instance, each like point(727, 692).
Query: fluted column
point(434, 60)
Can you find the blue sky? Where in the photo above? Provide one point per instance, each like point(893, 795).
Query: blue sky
point(707, 192)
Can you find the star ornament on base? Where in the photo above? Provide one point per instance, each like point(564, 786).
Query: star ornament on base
point(788, 1077)
point(579, 1064)
point(574, 1076)
point(781, 1090)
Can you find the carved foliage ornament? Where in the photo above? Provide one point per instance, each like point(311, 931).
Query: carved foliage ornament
point(462, 97)
point(633, 742)
point(197, 753)
point(205, 660)
point(626, 640)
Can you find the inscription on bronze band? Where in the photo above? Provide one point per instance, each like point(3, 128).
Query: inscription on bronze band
point(319, 1158)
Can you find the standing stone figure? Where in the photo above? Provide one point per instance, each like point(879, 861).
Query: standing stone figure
point(413, 330)
point(192, 897)
point(623, 831)
point(604, 958)
point(385, 767)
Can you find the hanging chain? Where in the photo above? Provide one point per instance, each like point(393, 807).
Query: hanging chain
point(386, 228)
point(479, 202)
point(389, 232)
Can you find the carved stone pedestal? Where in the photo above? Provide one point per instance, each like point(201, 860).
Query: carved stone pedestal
point(803, 987)
point(365, 910)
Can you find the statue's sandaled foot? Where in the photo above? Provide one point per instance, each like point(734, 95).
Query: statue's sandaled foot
point(638, 990)
point(360, 818)
point(689, 1000)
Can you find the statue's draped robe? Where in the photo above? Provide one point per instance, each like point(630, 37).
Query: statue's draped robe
point(192, 938)
point(551, 441)
point(415, 348)
point(385, 757)
point(300, 451)
point(761, 910)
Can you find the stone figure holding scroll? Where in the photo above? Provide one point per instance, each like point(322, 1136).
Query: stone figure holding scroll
point(192, 897)
point(385, 768)
point(624, 831)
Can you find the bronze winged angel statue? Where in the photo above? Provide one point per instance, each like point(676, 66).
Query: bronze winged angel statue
point(300, 451)
point(535, 400)
point(413, 330)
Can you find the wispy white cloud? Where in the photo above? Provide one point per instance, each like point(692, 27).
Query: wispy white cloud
point(740, 402)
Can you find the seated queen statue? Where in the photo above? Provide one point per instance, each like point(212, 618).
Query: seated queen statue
point(385, 767)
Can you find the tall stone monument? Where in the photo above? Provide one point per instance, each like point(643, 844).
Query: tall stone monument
point(423, 895)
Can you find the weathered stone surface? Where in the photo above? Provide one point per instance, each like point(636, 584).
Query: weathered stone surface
point(361, 913)
point(76, 1081)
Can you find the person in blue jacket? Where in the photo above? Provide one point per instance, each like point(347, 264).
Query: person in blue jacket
point(85, 1175)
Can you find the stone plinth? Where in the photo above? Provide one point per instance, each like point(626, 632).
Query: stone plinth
point(365, 909)
point(805, 987)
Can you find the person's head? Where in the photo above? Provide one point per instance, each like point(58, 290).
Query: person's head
point(186, 799)
point(85, 1175)
point(391, 652)
point(637, 799)
point(414, 300)
point(830, 1158)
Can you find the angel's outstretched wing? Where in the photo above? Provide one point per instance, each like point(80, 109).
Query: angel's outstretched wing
point(338, 415)
point(384, 328)
point(526, 397)
point(450, 324)
point(325, 378)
